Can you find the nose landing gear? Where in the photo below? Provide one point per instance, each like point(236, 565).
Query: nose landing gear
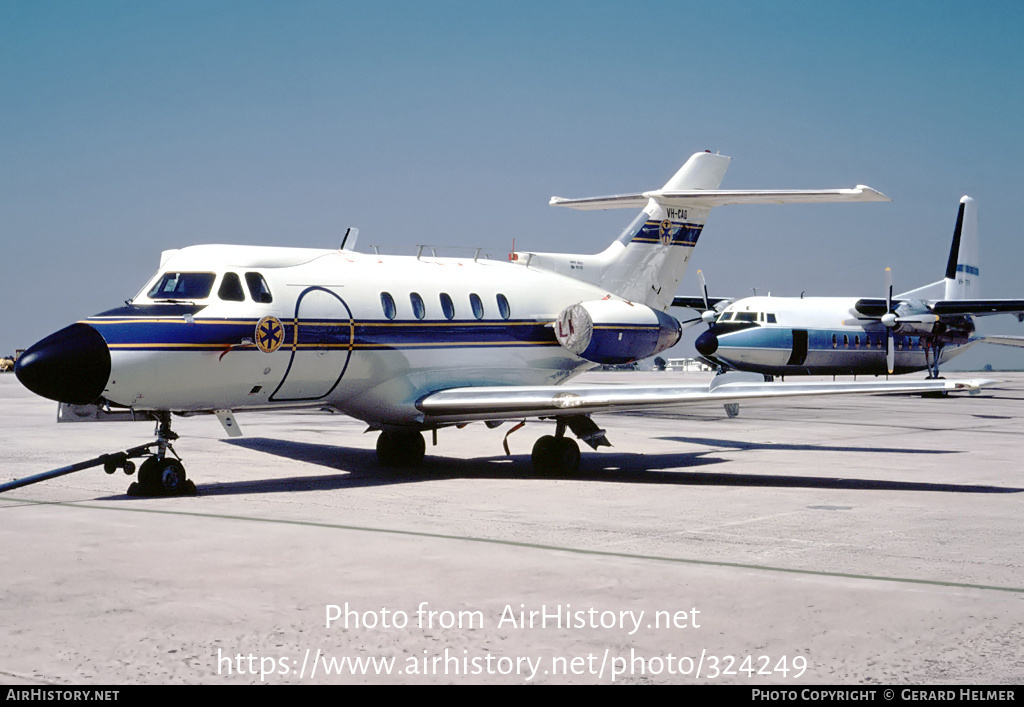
point(161, 475)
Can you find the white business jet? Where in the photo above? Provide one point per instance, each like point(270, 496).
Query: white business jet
point(914, 331)
point(407, 344)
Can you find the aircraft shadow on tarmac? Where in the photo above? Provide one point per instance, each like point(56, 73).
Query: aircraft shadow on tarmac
point(359, 468)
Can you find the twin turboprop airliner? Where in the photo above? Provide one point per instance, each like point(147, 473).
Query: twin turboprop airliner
point(408, 344)
point(914, 331)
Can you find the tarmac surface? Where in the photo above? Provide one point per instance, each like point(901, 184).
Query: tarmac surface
point(842, 540)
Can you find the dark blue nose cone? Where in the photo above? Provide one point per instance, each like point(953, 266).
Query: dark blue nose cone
point(70, 366)
point(706, 343)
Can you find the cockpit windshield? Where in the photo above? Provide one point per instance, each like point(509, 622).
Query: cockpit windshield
point(183, 285)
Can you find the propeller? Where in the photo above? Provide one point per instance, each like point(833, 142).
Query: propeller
point(709, 314)
point(889, 321)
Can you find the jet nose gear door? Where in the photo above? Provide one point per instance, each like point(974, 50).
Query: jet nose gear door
point(321, 337)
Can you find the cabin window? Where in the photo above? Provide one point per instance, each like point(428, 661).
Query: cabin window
point(846, 341)
point(447, 306)
point(258, 289)
point(835, 341)
point(183, 285)
point(419, 310)
point(388, 303)
point(231, 288)
point(477, 305)
point(856, 341)
point(503, 308)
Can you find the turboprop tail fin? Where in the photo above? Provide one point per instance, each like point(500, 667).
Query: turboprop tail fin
point(963, 277)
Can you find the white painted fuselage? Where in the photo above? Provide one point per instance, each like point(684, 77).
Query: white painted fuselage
point(818, 336)
point(365, 334)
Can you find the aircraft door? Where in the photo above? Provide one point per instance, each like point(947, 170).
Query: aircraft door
point(799, 354)
point(321, 336)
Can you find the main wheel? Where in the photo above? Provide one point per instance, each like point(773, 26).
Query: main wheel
point(400, 448)
point(543, 455)
point(555, 456)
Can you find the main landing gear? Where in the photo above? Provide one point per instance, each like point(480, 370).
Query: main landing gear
point(397, 448)
point(552, 454)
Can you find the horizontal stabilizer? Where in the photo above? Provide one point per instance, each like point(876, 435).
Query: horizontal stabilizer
point(698, 303)
point(708, 198)
point(1002, 340)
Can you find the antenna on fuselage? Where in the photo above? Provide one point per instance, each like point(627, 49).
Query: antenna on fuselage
point(352, 233)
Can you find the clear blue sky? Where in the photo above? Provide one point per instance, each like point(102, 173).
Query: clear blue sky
point(132, 127)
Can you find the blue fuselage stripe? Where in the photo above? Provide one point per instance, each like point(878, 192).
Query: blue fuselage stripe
point(213, 335)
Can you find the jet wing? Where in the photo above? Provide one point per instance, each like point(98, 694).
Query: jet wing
point(516, 402)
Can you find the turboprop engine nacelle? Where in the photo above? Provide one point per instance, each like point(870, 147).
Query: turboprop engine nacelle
point(614, 331)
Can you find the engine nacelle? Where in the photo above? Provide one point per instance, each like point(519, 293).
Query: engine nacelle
point(614, 331)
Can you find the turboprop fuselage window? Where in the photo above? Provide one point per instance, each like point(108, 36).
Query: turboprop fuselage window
point(183, 285)
point(258, 289)
point(231, 288)
point(388, 303)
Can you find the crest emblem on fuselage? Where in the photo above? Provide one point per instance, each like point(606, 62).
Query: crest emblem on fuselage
point(269, 334)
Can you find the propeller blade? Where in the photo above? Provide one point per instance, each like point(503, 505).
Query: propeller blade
point(704, 288)
point(888, 289)
point(889, 320)
point(890, 353)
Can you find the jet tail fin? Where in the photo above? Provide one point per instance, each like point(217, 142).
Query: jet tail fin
point(647, 261)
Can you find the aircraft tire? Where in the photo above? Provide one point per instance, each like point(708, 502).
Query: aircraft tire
point(543, 455)
point(400, 448)
point(568, 456)
point(162, 477)
point(555, 456)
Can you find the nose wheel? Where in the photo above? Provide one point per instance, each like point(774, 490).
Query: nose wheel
point(162, 477)
point(160, 474)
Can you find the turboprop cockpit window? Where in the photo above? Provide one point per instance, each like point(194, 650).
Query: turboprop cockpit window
point(258, 289)
point(183, 285)
point(746, 317)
